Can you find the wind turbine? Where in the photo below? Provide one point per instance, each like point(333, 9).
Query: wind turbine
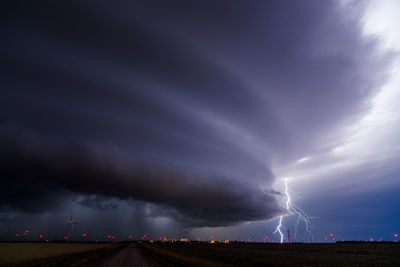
point(70, 227)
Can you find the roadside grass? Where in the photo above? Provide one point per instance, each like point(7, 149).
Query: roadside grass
point(53, 254)
point(259, 254)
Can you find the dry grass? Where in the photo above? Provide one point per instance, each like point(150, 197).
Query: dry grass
point(21, 252)
point(251, 254)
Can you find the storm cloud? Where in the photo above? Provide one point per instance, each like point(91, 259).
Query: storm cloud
point(188, 105)
point(39, 167)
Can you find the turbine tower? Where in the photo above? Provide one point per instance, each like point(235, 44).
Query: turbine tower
point(70, 227)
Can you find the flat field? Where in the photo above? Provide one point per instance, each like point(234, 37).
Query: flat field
point(38, 253)
point(269, 254)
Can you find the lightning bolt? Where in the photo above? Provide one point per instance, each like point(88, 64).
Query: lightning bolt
point(279, 228)
point(293, 209)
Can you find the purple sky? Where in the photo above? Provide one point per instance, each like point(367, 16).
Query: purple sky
point(184, 118)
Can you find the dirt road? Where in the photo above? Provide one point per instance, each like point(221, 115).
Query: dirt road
point(129, 256)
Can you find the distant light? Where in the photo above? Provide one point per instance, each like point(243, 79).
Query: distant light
point(40, 236)
point(16, 235)
point(131, 237)
point(109, 236)
point(396, 235)
point(84, 234)
point(65, 237)
point(371, 239)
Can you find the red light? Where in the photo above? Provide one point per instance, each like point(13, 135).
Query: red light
point(331, 234)
point(16, 235)
point(131, 236)
point(84, 234)
point(65, 237)
point(371, 239)
point(40, 236)
point(198, 239)
point(109, 236)
point(333, 239)
point(326, 238)
point(396, 235)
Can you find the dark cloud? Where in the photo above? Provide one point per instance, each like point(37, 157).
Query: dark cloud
point(29, 163)
point(98, 201)
point(186, 105)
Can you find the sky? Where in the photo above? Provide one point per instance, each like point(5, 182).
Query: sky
point(184, 118)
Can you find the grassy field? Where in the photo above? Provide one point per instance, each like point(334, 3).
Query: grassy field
point(26, 253)
point(259, 254)
point(205, 254)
